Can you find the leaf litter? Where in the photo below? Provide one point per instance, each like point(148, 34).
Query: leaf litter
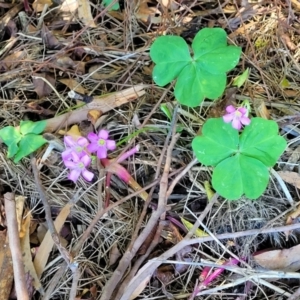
point(48, 49)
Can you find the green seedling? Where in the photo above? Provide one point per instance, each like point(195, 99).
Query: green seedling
point(240, 161)
point(23, 140)
point(241, 79)
point(200, 76)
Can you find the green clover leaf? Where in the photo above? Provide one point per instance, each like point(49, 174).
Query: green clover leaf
point(23, 141)
point(217, 142)
point(28, 144)
point(204, 75)
point(32, 127)
point(241, 161)
point(11, 137)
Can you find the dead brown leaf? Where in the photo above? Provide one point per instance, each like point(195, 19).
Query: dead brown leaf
point(72, 84)
point(6, 267)
point(287, 260)
point(49, 39)
point(93, 116)
point(45, 248)
point(38, 5)
point(290, 177)
point(114, 254)
point(26, 253)
point(42, 82)
point(85, 14)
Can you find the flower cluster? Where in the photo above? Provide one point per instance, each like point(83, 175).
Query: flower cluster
point(238, 116)
point(77, 156)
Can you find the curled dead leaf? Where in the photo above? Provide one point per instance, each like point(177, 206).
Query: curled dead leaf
point(42, 83)
point(93, 116)
point(287, 260)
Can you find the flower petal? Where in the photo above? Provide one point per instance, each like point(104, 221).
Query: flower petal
point(87, 175)
point(102, 152)
point(236, 123)
point(86, 160)
point(230, 109)
point(74, 175)
point(70, 164)
point(93, 137)
point(242, 110)
point(245, 120)
point(69, 141)
point(66, 155)
point(103, 134)
point(228, 118)
point(111, 145)
point(75, 156)
point(83, 142)
point(93, 147)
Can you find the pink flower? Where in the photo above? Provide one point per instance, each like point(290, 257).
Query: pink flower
point(77, 166)
point(100, 143)
point(77, 146)
point(238, 116)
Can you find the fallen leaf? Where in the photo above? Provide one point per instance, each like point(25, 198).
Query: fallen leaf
point(74, 132)
point(147, 14)
point(72, 84)
point(69, 6)
point(114, 254)
point(261, 109)
point(85, 14)
point(140, 288)
point(42, 84)
point(65, 62)
point(94, 115)
point(189, 226)
point(46, 246)
point(49, 39)
point(292, 218)
point(290, 177)
point(19, 212)
point(38, 5)
point(12, 61)
point(26, 253)
point(287, 260)
point(6, 267)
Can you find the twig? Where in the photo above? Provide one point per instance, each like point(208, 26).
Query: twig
point(64, 253)
point(15, 247)
point(103, 104)
point(283, 186)
point(180, 175)
point(161, 207)
point(295, 296)
point(152, 265)
point(76, 276)
point(101, 213)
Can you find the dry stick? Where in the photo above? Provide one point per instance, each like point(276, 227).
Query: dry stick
point(15, 246)
point(140, 260)
point(102, 212)
point(153, 264)
point(180, 175)
point(295, 296)
point(149, 269)
point(103, 104)
point(64, 253)
point(128, 256)
point(76, 276)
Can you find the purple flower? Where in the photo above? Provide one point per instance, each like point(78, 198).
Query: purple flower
point(72, 145)
point(238, 116)
point(100, 143)
point(77, 166)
